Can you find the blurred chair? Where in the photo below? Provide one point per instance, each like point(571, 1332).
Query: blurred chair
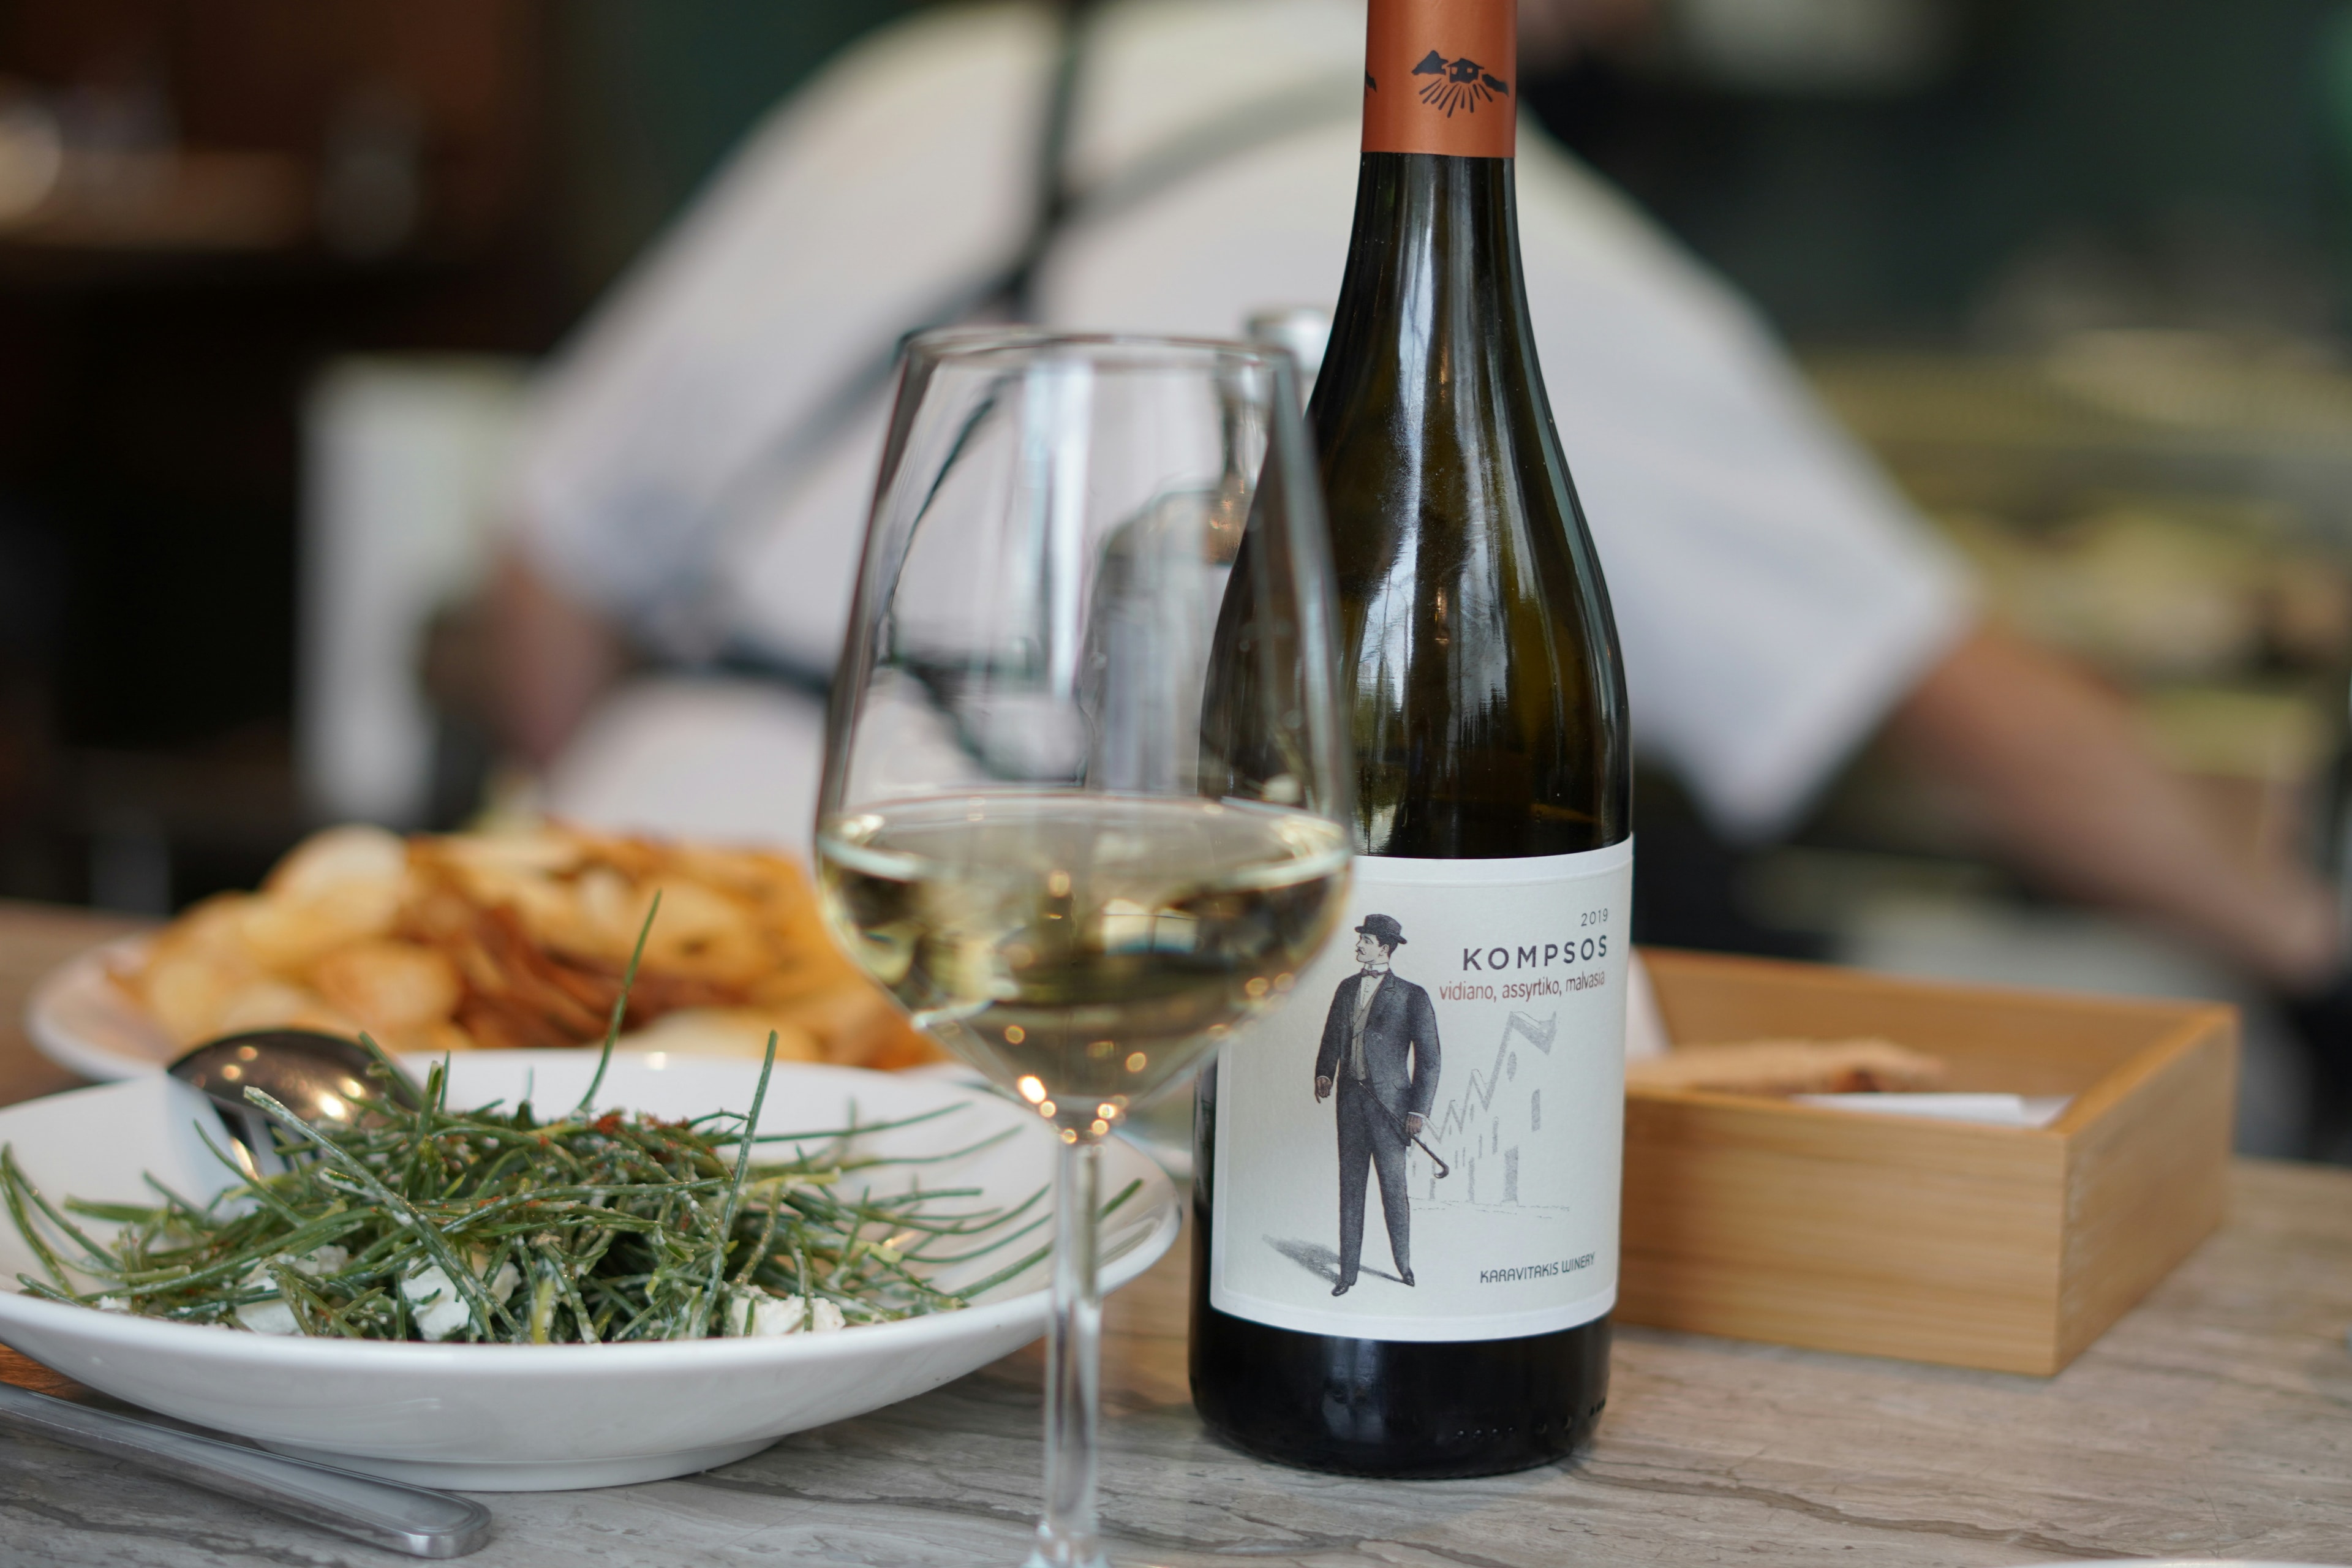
point(403, 457)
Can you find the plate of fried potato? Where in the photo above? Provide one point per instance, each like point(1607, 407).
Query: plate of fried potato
point(494, 940)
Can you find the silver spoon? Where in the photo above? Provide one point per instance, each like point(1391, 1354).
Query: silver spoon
point(321, 1077)
point(413, 1519)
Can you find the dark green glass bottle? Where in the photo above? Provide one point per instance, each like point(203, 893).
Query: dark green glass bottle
point(1489, 726)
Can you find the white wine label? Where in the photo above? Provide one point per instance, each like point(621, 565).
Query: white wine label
point(1425, 1140)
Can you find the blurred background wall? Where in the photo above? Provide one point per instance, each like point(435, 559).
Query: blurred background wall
point(205, 204)
point(272, 272)
point(1993, 169)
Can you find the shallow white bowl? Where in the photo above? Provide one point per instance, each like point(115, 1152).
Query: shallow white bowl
point(535, 1417)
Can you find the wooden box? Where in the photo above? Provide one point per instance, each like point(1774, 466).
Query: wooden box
point(1970, 1244)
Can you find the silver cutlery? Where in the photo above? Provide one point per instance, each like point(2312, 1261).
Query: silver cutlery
point(413, 1520)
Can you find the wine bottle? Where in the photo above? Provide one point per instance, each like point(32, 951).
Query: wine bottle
point(1406, 1187)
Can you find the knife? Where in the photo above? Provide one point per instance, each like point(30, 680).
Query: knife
point(413, 1520)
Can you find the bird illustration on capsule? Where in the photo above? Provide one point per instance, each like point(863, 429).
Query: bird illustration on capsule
point(1461, 83)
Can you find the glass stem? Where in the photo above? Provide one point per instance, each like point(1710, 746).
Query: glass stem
point(1066, 1535)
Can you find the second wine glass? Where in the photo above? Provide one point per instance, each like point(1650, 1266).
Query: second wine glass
point(1086, 786)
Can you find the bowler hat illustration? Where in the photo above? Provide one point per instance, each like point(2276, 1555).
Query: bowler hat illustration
point(1382, 928)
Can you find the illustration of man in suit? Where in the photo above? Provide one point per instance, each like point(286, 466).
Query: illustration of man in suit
point(1379, 1050)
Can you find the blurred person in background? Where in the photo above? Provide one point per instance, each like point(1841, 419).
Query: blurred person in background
point(698, 462)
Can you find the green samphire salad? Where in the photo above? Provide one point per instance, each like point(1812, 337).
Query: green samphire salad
point(494, 1226)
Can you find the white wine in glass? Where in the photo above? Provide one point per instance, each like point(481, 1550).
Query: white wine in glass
point(1086, 789)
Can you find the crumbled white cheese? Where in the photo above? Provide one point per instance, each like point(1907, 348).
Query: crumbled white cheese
point(755, 1314)
point(276, 1315)
point(435, 1303)
point(112, 1304)
point(502, 1284)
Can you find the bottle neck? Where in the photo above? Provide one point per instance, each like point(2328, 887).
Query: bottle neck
point(1435, 260)
point(1432, 285)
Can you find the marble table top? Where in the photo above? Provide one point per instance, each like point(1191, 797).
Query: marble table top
point(2213, 1421)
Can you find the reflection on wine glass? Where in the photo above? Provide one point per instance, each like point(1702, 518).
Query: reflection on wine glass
point(1084, 786)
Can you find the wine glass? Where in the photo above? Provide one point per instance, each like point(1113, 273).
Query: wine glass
point(1086, 781)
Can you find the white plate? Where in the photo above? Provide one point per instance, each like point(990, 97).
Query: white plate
point(79, 1018)
point(534, 1417)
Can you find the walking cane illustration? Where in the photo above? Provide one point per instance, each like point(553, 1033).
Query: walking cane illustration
point(1442, 1169)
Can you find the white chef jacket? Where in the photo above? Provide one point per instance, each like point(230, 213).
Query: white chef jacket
point(685, 472)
